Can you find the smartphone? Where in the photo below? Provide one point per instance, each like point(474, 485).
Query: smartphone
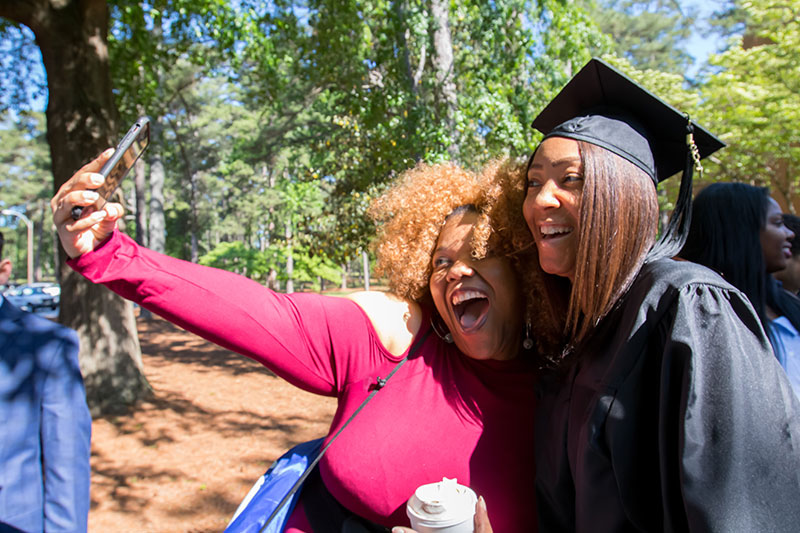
point(128, 151)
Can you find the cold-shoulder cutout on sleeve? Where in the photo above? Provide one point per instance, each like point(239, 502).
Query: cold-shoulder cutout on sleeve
point(394, 319)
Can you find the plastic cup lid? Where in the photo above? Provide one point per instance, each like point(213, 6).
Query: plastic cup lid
point(441, 504)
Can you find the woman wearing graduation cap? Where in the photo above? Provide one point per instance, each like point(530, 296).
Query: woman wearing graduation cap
point(666, 410)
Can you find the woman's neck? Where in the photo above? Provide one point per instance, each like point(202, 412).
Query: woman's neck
point(771, 314)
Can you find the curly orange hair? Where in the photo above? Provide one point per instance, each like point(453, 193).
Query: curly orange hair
point(410, 215)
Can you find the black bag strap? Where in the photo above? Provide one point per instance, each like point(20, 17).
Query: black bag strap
point(380, 383)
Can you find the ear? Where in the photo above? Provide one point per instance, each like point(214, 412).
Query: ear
point(5, 271)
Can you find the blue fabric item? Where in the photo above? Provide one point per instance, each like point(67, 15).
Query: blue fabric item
point(270, 489)
point(787, 349)
point(45, 426)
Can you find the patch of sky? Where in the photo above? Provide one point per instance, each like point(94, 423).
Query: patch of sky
point(704, 41)
point(26, 89)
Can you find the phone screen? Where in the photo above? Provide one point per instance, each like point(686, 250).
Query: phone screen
point(126, 154)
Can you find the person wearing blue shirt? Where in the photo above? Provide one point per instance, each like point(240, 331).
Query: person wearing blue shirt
point(790, 276)
point(738, 230)
point(46, 425)
point(787, 351)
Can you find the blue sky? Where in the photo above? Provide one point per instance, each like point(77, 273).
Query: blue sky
point(702, 43)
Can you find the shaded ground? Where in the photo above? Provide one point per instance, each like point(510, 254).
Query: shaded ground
point(183, 461)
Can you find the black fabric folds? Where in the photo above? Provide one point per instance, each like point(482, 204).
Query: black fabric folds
point(677, 417)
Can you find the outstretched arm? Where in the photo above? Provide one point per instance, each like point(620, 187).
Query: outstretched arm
point(297, 336)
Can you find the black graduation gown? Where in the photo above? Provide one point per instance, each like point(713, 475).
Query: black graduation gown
point(677, 417)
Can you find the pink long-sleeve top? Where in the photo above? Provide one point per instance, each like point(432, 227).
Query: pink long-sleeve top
point(441, 415)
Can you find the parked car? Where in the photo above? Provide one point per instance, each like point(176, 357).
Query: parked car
point(35, 296)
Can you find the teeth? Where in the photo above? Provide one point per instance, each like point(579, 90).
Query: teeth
point(555, 230)
point(463, 296)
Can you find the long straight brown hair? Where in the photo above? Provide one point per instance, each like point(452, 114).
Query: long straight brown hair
point(618, 226)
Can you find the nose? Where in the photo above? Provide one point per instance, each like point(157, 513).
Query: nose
point(547, 195)
point(790, 235)
point(459, 269)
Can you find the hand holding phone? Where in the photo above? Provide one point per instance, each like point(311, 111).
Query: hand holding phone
point(127, 152)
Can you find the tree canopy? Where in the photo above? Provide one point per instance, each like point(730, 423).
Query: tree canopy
point(274, 124)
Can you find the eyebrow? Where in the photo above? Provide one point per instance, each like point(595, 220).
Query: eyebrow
point(558, 162)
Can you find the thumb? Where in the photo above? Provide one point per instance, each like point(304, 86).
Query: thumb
point(481, 520)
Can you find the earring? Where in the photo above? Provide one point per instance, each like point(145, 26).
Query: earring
point(447, 337)
point(527, 342)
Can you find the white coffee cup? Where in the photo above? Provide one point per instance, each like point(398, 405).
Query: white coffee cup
point(443, 507)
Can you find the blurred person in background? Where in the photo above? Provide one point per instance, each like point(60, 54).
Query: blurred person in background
point(738, 231)
point(46, 426)
point(790, 276)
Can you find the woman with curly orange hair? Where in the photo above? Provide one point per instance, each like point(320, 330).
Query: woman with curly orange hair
point(457, 408)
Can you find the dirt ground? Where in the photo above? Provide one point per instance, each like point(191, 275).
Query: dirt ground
point(182, 461)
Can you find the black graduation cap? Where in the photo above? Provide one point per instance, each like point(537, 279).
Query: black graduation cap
point(602, 106)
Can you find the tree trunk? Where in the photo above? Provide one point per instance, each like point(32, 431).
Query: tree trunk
point(443, 66)
point(272, 279)
point(140, 201)
point(81, 122)
point(289, 258)
point(193, 229)
point(38, 230)
point(344, 275)
point(365, 261)
point(156, 221)
point(55, 257)
point(272, 276)
point(413, 74)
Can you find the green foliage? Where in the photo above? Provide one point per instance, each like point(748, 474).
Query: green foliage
point(256, 264)
point(24, 160)
point(296, 114)
point(148, 39)
point(236, 257)
point(753, 101)
point(25, 185)
point(281, 121)
point(648, 33)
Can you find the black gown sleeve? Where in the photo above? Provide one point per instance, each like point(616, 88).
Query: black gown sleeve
point(735, 429)
point(674, 416)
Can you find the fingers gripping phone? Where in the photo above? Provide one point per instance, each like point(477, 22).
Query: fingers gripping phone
point(128, 151)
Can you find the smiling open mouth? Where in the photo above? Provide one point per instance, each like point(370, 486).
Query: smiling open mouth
point(551, 232)
point(470, 307)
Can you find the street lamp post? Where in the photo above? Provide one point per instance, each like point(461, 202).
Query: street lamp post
point(29, 224)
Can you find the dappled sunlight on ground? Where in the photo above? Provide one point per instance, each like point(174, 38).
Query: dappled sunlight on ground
point(183, 460)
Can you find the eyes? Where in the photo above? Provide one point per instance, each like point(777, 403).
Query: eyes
point(568, 180)
point(444, 261)
point(777, 223)
point(441, 262)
